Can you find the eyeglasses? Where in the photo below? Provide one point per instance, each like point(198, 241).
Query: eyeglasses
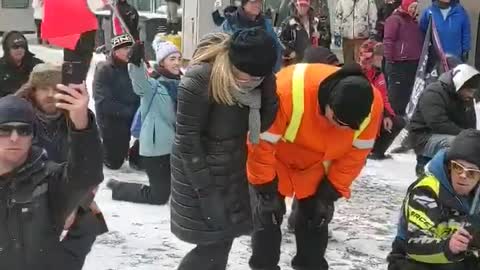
point(460, 169)
point(22, 130)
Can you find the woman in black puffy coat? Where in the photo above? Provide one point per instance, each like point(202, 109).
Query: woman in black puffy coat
point(227, 95)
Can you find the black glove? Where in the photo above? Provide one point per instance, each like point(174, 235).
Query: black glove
point(472, 225)
point(136, 54)
point(270, 205)
point(325, 197)
point(212, 205)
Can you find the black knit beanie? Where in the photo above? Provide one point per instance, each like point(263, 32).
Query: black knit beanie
point(351, 100)
point(466, 146)
point(253, 51)
point(16, 109)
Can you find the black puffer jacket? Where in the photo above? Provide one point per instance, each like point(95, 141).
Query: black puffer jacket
point(210, 151)
point(113, 91)
point(37, 198)
point(440, 111)
point(11, 76)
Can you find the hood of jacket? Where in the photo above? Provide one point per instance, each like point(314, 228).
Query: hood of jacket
point(4, 44)
point(239, 20)
point(437, 168)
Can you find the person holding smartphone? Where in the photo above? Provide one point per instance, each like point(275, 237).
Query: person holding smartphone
point(51, 133)
point(115, 102)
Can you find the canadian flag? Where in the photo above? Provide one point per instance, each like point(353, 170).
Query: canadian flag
point(65, 20)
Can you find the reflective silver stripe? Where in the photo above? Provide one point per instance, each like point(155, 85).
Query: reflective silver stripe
point(270, 137)
point(363, 144)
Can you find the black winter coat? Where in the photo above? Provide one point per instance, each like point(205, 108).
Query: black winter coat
point(37, 198)
point(113, 92)
point(52, 135)
point(296, 38)
point(440, 111)
point(209, 154)
point(11, 76)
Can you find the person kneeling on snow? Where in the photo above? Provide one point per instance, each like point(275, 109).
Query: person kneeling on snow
point(444, 109)
point(371, 57)
point(158, 115)
point(435, 229)
point(36, 194)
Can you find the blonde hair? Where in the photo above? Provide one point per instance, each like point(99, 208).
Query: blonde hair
point(213, 49)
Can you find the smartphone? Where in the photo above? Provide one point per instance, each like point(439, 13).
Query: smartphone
point(73, 72)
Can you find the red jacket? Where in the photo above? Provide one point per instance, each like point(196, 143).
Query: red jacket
point(377, 79)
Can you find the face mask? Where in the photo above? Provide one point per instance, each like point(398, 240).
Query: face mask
point(249, 85)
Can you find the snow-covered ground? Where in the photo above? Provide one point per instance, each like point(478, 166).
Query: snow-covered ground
point(363, 227)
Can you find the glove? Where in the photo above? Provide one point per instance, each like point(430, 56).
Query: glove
point(337, 40)
point(136, 54)
point(472, 225)
point(324, 207)
point(213, 209)
point(270, 206)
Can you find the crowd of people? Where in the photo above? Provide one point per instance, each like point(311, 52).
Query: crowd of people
point(257, 115)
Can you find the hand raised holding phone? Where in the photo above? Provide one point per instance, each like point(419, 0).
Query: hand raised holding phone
point(74, 100)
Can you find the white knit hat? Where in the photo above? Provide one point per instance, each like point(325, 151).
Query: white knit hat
point(163, 48)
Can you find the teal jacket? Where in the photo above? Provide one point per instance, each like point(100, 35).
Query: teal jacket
point(158, 124)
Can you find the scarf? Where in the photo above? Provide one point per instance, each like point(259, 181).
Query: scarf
point(253, 100)
point(169, 80)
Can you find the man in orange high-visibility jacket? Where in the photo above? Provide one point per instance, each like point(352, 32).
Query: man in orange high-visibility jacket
point(326, 125)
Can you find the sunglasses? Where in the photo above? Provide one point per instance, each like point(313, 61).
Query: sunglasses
point(460, 169)
point(22, 130)
point(16, 47)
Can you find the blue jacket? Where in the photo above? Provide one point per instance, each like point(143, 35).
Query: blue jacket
point(454, 32)
point(158, 125)
point(238, 22)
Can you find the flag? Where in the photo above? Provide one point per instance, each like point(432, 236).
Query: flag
point(65, 20)
point(432, 63)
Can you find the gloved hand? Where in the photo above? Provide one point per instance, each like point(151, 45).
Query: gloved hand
point(337, 40)
point(212, 205)
point(270, 205)
point(325, 197)
point(136, 54)
point(472, 225)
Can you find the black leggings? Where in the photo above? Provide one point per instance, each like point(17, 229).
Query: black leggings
point(157, 193)
point(212, 256)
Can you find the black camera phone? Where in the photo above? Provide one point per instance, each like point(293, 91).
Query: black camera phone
point(73, 73)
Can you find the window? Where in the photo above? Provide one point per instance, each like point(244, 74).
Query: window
point(15, 3)
point(142, 5)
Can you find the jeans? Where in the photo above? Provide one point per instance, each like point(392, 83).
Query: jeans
point(436, 143)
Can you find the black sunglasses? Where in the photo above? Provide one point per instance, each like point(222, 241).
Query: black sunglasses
point(22, 130)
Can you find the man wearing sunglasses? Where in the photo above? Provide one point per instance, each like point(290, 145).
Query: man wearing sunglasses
point(325, 127)
point(37, 195)
point(435, 229)
point(16, 64)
